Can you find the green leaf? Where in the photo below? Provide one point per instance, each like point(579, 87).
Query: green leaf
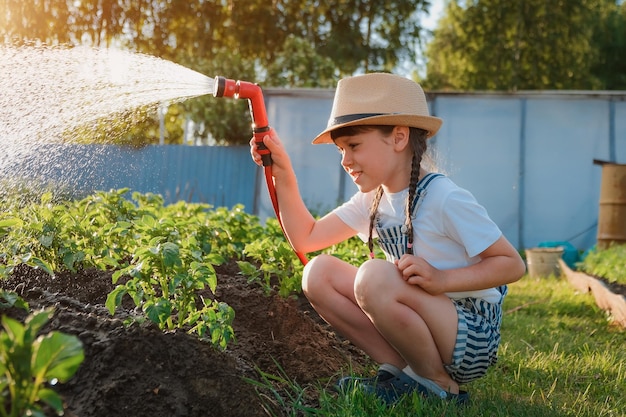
point(196, 254)
point(68, 261)
point(40, 263)
point(136, 271)
point(57, 355)
point(171, 255)
point(116, 275)
point(14, 329)
point(121, 227)
point(179, 279)
point(214, 259)
point(52, 399)
point(12, 299)
point(146, 221)
point(247, 269)
point(6, 224)
point(114, 298)
point(46, 198)
point(35, 322)
point(108, 261)
point(158, 311)
point(11, 222)
point(46, 240)
point(204, 273)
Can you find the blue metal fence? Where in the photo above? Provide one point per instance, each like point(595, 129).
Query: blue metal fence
point(213, 175)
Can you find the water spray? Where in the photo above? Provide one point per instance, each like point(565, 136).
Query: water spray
point(224, 87)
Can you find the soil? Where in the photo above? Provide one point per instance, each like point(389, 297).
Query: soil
point(139, 370)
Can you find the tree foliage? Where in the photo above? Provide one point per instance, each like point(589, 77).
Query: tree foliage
point(295, 43)
point(530, 44)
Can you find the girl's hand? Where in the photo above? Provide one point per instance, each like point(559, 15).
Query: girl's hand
point(280, 159)
point(416, 271)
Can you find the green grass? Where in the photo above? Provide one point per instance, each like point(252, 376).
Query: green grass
point(559, 356)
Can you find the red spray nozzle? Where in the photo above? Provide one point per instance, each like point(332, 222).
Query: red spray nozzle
point(224, 87)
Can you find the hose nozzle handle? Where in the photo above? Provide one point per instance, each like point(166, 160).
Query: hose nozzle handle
point(266, 155)
point(224, 87)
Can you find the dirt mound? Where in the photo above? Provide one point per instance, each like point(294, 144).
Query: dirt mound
point(142, 371)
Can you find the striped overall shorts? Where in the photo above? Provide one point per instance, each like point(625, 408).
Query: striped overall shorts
point(478, 331)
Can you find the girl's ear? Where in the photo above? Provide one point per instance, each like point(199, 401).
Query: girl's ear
point(401, 137)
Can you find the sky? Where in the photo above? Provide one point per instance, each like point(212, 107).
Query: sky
point(436, 10)
point(429, 22)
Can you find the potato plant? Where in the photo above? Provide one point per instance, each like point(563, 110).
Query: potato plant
point(166, 254)
point(280, 269)
point(29, 361)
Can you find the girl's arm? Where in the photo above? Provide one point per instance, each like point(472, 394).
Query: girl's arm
point(303, 231)
point(499, 264)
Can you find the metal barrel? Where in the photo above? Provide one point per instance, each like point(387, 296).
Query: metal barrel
point(612, 210)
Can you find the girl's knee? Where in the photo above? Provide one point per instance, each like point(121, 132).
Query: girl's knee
point(316, 272)
point(372, 281)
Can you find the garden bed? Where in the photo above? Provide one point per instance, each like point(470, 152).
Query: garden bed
point(610, 297)
point(141, 371)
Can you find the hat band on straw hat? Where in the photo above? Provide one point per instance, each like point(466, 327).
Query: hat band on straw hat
point(347, 118)
point(379, 99)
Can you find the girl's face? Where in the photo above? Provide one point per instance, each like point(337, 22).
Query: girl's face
point(371, 159)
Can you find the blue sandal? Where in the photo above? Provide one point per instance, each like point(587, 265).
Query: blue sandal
point(391, 390)
point(367, 383)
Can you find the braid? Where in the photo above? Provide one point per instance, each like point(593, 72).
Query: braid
point(417, 138)
point(373, 212)
point(408, 223)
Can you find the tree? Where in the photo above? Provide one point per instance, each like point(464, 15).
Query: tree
point(531, 44)
point(23, 20)
point(610, 38)
point(296, 43)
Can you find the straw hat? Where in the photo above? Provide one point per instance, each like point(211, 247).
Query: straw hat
point(379, 99)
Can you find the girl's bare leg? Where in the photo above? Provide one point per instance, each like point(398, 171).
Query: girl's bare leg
point(328, 283)
point(421, 327)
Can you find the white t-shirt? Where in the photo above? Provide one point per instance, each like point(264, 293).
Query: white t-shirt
point(450, 227)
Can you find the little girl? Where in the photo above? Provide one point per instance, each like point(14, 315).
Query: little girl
point(430, 313)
